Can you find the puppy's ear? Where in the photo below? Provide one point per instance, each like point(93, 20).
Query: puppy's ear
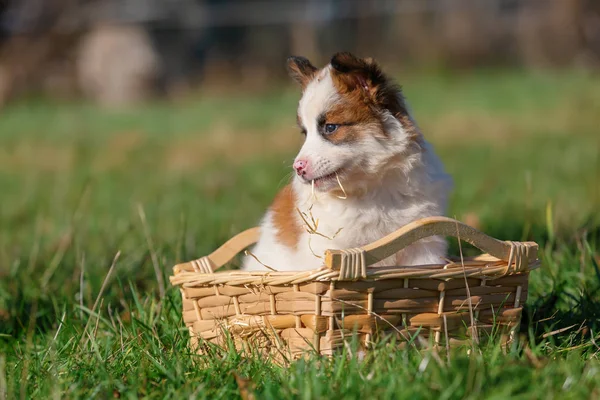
point(301, 70)
point(350, 73)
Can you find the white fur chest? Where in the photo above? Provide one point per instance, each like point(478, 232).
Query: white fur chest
point(346, 223)
point(331, 223)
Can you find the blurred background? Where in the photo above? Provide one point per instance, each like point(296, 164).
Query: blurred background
point(158, 129)
point(123, 51)
point(161, 128)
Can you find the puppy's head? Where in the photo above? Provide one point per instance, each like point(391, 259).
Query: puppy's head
point(355, 123)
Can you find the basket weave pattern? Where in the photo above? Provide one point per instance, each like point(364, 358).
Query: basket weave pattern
point(287, 313)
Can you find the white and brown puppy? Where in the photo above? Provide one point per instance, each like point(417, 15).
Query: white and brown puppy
point(364, 171)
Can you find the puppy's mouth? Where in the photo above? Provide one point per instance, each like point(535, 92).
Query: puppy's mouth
point(325, 179)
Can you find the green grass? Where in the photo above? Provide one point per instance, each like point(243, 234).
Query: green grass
point(524, 153)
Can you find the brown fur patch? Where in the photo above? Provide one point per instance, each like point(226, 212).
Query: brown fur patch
point(356, 119)
point(301, 70)
point(366, 91)
point(352, 74)
point(409, 127)
point(285, 218)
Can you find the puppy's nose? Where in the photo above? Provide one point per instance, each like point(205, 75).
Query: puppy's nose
point(300, 167)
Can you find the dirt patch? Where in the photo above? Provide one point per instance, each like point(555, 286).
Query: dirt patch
point(572, 117)
point(230, 145)
point(117, 150)
point(461, 126)
point(37, 156)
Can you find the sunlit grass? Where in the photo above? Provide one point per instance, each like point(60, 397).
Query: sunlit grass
point(524, 153)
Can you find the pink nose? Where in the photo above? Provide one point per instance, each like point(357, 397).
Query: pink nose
point(300, 167)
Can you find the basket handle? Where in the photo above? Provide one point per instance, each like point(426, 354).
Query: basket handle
point(221, 256)
point(355, 261)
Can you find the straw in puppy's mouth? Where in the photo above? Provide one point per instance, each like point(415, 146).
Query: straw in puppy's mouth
point(324, 178)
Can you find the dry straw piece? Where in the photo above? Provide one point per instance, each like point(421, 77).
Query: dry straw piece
point(285, 314)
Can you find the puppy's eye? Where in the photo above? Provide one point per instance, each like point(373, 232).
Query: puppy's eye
point(330, 128)
point(303, 132)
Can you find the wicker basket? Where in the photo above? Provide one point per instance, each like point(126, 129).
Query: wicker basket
point(287, 313)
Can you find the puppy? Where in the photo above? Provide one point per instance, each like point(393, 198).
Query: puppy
point(364, 171)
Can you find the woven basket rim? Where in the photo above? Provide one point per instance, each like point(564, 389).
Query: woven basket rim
point(502, 258)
